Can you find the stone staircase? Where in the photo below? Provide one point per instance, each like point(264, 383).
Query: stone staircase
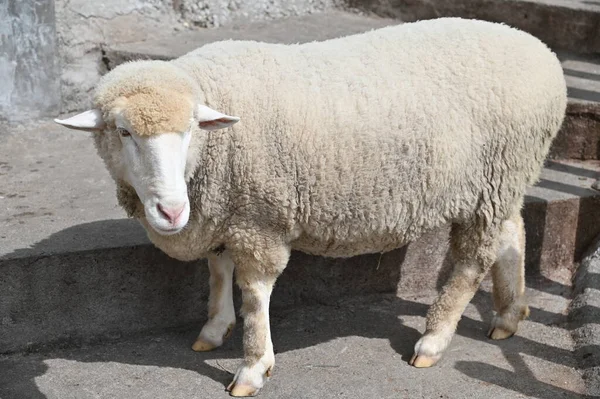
point(74, 271)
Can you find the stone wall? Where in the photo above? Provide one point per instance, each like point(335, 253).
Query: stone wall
point(214, 13)
point(84, 26)
point(29, 71)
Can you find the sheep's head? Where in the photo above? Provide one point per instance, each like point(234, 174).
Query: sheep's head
point(145, 117)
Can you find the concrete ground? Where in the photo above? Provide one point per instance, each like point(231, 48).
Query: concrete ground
point(50, 179)
point(354, 348)
point(584, 315)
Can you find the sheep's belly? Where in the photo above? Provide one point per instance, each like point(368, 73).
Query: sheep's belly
point(343, 248)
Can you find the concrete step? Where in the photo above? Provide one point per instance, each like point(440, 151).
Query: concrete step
point(73, 269)
point(350, 348)
point(578, 139)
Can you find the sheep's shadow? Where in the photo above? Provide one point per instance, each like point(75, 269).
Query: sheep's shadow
point(121, 281)
point(292, 329)
point(375, 316)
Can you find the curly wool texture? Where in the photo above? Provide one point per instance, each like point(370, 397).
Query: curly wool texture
point(359, 144)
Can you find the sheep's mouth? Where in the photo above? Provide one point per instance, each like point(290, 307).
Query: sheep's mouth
point(167, 232)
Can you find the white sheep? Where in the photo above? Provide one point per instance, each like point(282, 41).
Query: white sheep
point(349, 146)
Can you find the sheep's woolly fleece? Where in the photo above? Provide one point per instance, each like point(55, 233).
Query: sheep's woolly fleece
point(352, 145)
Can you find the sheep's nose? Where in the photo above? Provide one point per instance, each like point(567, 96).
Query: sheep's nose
point(171, 213)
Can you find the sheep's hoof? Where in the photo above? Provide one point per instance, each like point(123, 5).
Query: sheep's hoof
point(248, 380)
point(499, 333)
point(422, 361)
point(206, 344)
point(240, 390)
point(202, 346)
point(246, 390)
point(506, 326)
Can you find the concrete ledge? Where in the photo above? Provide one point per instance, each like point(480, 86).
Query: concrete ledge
point(579, 137)
point(80, 297)
point(561, 214)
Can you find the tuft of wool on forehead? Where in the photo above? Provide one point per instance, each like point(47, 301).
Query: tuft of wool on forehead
point(156, 111)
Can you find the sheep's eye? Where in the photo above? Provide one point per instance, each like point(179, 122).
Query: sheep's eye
point(123, 132)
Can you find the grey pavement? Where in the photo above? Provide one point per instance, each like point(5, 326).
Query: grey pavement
point(352, 348)
point(585, 318)
point(51, 179)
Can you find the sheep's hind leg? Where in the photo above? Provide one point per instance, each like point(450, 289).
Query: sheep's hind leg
point(508, 274)
point(474, 251)
point(256, 280)
point(221, 313)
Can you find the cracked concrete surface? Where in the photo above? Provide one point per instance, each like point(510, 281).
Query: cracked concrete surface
point(84, 27)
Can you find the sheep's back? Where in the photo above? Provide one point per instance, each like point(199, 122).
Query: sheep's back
point(375, 138)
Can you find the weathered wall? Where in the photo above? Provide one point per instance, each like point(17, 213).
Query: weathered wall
point(29, 73)
point(84, 26)
point(214, 13)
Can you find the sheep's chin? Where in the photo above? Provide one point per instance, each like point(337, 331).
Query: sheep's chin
point(162, 230)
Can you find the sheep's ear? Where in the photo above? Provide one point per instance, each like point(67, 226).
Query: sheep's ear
point(209, 119)
point(88, 120)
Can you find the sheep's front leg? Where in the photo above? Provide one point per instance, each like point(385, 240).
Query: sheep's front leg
point(473, 252)
point(221, 313)
point(256, 280)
